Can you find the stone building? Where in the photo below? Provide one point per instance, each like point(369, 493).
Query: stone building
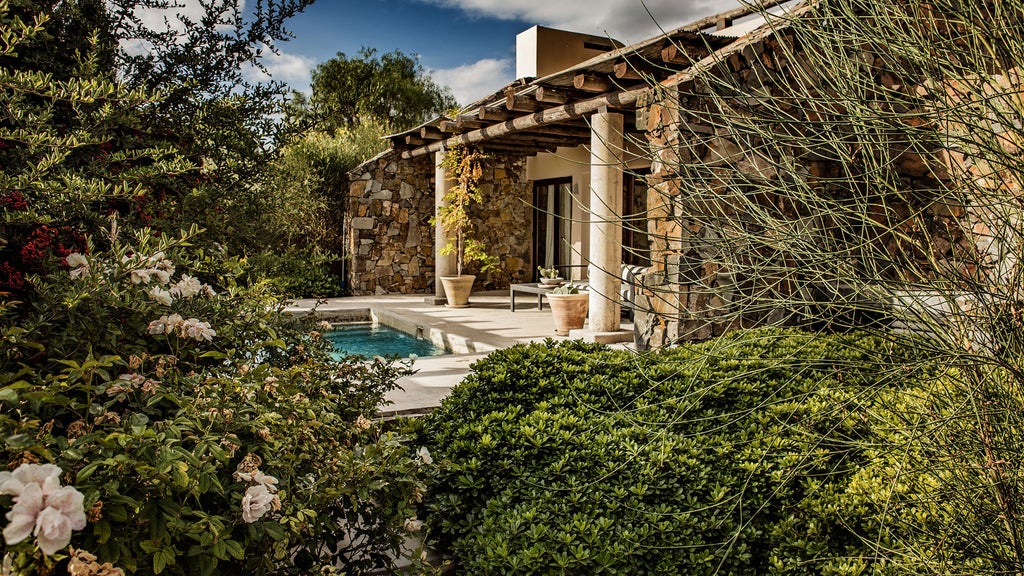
point(589, 154)
point(566, 181)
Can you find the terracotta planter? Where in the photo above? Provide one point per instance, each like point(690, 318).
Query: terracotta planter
point(552, 281)
point(457, 289)
point(569, 310)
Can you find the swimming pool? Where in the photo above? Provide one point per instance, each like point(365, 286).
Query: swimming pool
point(370, 339)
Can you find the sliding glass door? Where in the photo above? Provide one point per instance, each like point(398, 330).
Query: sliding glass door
point(552, 224)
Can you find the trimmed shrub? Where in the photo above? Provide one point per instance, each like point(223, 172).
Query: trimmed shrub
point(750, 454)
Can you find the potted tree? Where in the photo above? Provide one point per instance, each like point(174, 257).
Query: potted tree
point(465, 166)
point(569, 306)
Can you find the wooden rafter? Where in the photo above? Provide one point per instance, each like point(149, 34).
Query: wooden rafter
point(551, 95)
point(431, 133)
point(592, 83)
point(493, 114)
point(558, 114)
point(517, 103)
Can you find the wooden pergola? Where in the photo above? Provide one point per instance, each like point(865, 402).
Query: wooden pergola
point(540, 115)
point(586, 105)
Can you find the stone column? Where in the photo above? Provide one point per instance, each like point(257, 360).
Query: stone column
point(443, 265)
point(606, 165)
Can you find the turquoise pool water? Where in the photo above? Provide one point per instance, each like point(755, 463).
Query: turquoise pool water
point(369, 340)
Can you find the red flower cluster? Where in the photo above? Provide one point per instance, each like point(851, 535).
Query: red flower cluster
point(41, 244)
point(14, 200)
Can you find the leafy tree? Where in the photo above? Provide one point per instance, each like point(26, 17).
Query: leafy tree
point(191, 426)
point(355, 102)
point(391, 88)
point(305, 200)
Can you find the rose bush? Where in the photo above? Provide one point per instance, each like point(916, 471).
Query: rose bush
point(196, 429)
point(204, 432)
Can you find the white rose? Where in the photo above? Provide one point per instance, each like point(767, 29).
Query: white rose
point(265, 479)
point(71, 503)
point(187, 287)
point(22, 516)
point(79, 265)
point(256, 502)
point(198, 330)
point(43, 507)
point(76, 259)
point(424, 455)
point(47, 476)
point(166, 324)
point(140, 276)
point(413, 525)
point(158, 326)
point(159, 295)
point(53, 531)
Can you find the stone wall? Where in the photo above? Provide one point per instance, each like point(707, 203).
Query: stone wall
point(390, 240)
point(692, 292)
point(503, 221)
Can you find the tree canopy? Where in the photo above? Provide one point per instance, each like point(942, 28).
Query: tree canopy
point(391, 87)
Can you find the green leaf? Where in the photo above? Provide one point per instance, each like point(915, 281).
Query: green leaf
point(235, 549)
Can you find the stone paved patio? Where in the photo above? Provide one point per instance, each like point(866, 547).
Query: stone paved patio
point(485, 326)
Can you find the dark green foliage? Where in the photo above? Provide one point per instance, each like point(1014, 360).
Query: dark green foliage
point(135, 360)
point(305, 202)
point(390, 88)
point(737, 456)
point(300, 272)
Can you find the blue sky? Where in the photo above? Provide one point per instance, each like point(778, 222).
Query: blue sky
point(468, 45)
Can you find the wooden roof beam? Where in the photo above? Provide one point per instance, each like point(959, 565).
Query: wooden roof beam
point(517, 150)
point(466, 121)
point(687, 55)
point(551, 96)
point(517, 103)
point(561, 130)
point(493, 115)
point(535, 139)
point(672, 54)
point(592, 83)
point(431, 133)
point(556, 115)
point(626, 71)
point(448, 126)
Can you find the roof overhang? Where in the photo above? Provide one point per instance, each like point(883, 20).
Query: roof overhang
point(540, 115)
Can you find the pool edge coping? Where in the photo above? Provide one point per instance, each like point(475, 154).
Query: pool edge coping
point(420, 328)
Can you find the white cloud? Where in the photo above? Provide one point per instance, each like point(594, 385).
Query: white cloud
point(169, 19)
point(293, 69)
point(625, 20)
point(470, 82)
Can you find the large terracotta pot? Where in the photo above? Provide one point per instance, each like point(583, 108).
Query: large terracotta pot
point(457, 289)
point(569, 310)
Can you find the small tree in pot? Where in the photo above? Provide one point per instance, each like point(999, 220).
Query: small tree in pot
point(466, 168)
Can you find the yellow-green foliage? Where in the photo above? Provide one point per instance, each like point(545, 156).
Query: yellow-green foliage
point(766, 452)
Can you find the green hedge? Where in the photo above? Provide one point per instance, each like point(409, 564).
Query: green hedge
point(751, 454)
